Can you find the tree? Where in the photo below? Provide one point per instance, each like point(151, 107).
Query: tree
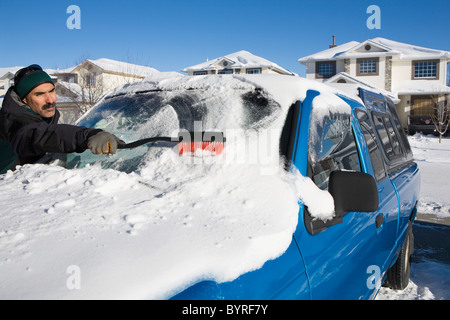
point(441, 114)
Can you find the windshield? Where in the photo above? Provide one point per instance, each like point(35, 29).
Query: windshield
point(158, 113)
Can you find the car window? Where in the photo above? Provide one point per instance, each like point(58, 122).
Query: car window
point(399, 127)
point(156, 113)
point(387, 135)
point(371, 141)
point(393, 136)
point(335, 149)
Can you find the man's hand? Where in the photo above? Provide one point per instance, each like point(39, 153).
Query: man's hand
point(104, 143)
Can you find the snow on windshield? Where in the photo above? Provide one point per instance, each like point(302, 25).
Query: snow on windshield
point(149, 232)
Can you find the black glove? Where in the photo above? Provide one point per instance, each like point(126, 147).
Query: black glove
point(104, 143)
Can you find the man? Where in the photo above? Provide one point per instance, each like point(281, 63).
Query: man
point(29, 124)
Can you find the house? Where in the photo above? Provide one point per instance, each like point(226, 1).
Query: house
point(80, 87)
point(241, 62)
point(6, 80)
point(416, 76)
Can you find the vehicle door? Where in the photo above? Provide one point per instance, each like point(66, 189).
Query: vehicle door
point(397, 155)
point(404, 176)
point(341, 254)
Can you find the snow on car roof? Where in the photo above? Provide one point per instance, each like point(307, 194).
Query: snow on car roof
point(93, 233)
point(285, 89)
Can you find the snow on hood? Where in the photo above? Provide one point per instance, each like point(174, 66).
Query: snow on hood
point(94, 233)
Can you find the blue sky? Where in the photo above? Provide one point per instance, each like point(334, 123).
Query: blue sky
point(170, 35)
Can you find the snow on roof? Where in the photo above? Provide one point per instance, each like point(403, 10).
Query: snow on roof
point(422, 87)
point(12, 70)
point(333, 81)
point(59, 71)
point(238, 60)
point(72, 92)
point(285, 89)
point(408, 51)
point(329, 53)
point(383, 47)
point(114, 66)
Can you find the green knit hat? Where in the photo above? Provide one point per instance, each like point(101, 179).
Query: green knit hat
point(28, 78)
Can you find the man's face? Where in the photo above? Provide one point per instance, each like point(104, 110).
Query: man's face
point(42, 100)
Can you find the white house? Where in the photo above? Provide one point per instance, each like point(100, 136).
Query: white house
point(6, 80)
point(241, 62)
point(415, 75)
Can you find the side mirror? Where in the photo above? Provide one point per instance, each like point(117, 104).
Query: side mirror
point(353, 191)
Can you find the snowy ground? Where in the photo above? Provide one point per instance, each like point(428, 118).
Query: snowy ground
point(430, 267)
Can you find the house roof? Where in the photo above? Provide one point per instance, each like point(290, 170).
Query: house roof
point(329, 54)
point(238, 60)
point(377, 47)
point(5, 72)
point(71, 92)
point(113, 66)
point(59, 71)
point(333, 81)
point(419, 87)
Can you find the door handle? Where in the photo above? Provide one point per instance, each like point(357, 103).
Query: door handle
point(379, 220)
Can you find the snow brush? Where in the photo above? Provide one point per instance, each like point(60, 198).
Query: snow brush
point(188, 142)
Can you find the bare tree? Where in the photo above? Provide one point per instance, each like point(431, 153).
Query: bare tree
point(441, 114)
point(95, 83)
point(93, 89)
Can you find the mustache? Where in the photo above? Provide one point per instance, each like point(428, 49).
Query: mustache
point(49, 105)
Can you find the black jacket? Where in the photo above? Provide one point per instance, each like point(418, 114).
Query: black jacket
point(32, 136)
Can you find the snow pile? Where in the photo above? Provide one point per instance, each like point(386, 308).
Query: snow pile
point(320, 203)
point(411, 292)
point(133, 239)
point(96, 233)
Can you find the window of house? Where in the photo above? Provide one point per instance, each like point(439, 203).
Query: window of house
point(254, 71)
point(90, 80)
point(425, 69)
point(226, 71)
point(367, 67)
point(200, 73)
point(325, 69)
point(371, 141)
point(335, 149)
point(71, 78)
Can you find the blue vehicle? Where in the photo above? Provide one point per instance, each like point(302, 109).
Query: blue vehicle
point(351, 146)
point(369, 169)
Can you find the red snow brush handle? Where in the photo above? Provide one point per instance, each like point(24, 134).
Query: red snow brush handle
point(188, 142)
